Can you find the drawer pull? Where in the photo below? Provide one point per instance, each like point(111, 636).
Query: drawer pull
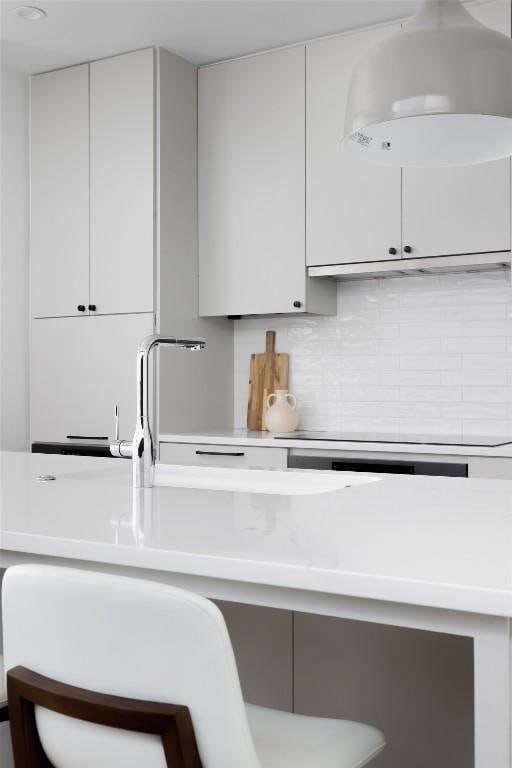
point(86, 437)
point(218, 453)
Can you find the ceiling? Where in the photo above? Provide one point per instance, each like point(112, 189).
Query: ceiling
point(201, 31)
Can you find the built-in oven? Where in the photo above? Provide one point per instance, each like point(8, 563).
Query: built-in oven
point(389, 466)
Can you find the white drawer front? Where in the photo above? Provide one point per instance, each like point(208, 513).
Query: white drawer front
point(242, 456)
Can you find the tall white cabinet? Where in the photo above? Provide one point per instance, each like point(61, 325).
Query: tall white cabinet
point(252, 188)
point(114, 249)
point(122, 141)
point(59, 190)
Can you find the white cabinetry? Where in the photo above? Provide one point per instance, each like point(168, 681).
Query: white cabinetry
point(122, 182)
point(59, 189)
point(466, 209)
point(140, 272)
point(213, 455)
point(92, 187)
point(252, 188)
point(460, 210)
point(456, 210)
point(81, 368)
point(353, 207)
point(365, 213)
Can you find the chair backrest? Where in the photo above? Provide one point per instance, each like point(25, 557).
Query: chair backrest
point(129, 638)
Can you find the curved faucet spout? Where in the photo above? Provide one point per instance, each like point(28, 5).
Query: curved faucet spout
point(141, 450)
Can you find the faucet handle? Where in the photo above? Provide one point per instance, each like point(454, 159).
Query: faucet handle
point(121, 449)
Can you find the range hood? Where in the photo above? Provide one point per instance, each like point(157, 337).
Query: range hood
point(473, 262)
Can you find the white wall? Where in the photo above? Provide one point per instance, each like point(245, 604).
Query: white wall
point(14, 312)
point(429, 353)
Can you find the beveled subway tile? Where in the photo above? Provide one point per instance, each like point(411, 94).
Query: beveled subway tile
point(431, 330)
point(430, 362)
point(487, 394)
point(488, 427)
point(484, 312)
point(478, 344)
point(369, 394)
point(418, 411)
point(431, 394)
point(343, 377)
point(440, 426)
point(478, 377)
point(370, 362)
point(369, 331)
point(464, 410)
point(487, 362)
point(412, 378)
point(368, 410)
point(404, 346)
point(369, 424)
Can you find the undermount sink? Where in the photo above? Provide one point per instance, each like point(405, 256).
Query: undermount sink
point(288, 483)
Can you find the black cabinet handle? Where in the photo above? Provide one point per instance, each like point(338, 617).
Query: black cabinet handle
point(81, 307)
point(87, 437)
point(297, 304)
point(392, 251)
point(92, 307)
point(218, 453)
point(407, 249)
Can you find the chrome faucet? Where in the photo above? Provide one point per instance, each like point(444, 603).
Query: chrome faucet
point(142, 450)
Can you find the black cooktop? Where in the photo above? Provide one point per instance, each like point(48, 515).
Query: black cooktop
point(477, 441)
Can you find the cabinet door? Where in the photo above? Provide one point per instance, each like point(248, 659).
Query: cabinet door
point(457, 210)
point(59, 192)
point(466, 209)
point(353, 207)
point(122, 183)
point(80, 369)
point(252, 185)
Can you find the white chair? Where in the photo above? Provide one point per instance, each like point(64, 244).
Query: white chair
point(147, 642)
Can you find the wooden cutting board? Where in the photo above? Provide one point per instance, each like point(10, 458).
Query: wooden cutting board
point(269, 371)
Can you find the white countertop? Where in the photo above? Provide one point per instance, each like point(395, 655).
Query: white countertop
point(266, 440)
point(441, 542)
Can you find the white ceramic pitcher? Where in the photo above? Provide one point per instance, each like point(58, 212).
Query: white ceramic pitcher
point(282, 415)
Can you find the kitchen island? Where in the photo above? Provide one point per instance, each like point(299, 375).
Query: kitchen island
point(418, 552)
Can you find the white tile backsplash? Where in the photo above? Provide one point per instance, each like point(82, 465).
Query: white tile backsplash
point(418, 354)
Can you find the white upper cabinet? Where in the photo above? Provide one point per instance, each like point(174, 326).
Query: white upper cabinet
point(466, 209)
point(59, 192)
point(252, 186)
point(353, 208)
point(122, 182)
point(456, 210)
point(92, 188)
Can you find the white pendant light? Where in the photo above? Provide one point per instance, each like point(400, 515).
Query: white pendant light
point(437, 93)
